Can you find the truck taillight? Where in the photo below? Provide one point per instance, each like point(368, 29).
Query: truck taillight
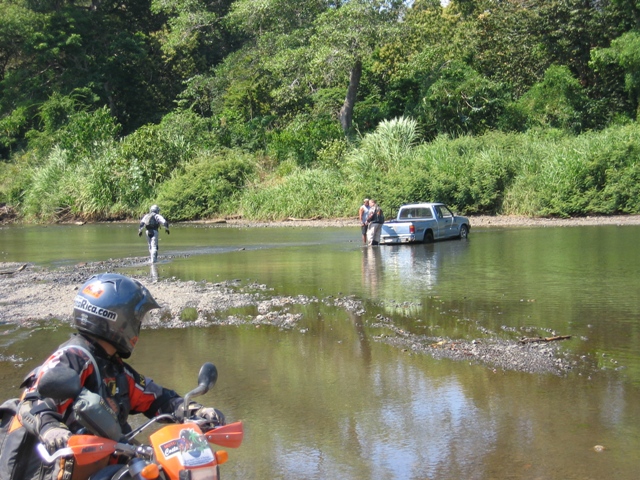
point(412, 229)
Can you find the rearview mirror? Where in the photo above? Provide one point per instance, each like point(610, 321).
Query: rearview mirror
point(207, 377)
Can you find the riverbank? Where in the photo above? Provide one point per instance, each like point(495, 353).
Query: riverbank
point(475, 220)
point(8, 217)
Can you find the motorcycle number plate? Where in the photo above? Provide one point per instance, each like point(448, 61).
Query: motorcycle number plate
point(182, 448)
point(203, 474)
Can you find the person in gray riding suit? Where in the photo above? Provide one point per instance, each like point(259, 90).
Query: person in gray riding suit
point(151, 222)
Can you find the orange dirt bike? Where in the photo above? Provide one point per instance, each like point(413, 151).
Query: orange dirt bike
point(179, 450)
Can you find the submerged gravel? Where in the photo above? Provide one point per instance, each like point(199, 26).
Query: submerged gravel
point(33, 296)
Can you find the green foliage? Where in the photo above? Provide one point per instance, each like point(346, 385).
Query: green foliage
point(97, 192)
point(508, 45)
point(302, 138)
point(15, 180)
point(189, 314)
point(556, 102)
point(386, 149)
point(68, 124)
point(147, 158)
point(470, 174)
point(591, 174)
point(624, 53)
point(287, 83)
point(459, 101)
point(188, 128)
point(208, 186)
point(47, 196)
point(12, 127)
point(309, 193)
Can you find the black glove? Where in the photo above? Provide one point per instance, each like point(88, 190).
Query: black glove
point(167, 230)
point(211, 414)
point(140, 232)
point(55, 437)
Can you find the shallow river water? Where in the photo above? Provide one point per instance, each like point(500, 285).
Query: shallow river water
point(327, 400)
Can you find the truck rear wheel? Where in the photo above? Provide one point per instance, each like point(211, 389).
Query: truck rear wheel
point(428, 237)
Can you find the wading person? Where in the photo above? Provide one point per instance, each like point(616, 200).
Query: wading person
point(151, 222)
point(363, 214)
point(108, 313)
point(374, 222)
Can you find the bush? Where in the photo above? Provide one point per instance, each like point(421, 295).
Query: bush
point(47, 198)
point(469, 173)
point(302, 139)
point(147, 158)
point(209, 185)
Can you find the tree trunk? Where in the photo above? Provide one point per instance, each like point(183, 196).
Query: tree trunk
point(346, 112)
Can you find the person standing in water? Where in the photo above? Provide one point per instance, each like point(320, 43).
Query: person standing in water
point(151, 222)
point(375, 221)
point(363, 214)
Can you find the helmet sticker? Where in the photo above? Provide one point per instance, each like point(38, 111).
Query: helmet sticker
point(84, 305)
point(94, 289)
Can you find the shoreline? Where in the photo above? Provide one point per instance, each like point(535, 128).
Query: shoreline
point(476, 221)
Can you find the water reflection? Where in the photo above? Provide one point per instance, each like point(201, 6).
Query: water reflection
point(153, 273)
point(415, 265)
point(371, 269)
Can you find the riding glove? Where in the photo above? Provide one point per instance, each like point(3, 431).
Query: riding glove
point(55, 438)
point(214, 415)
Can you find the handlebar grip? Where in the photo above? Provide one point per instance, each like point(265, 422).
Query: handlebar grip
point(44, 453)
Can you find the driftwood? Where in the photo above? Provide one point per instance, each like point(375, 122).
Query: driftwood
point(9, 272)
point(524, 340)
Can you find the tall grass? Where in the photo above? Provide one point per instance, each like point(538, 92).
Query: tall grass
point(305, 193)
point(47, 196)
point(539, 173)
point(595, 173)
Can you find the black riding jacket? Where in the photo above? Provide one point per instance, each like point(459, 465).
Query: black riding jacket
point(123, 389)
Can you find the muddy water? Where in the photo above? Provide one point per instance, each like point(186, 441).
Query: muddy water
point(328, 400)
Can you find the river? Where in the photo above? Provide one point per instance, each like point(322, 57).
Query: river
point(327, 400)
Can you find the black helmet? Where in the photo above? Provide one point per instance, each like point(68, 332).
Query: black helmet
point(154, 209)
point(112, 307)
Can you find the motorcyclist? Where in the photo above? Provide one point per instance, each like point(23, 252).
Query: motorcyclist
point(151, 222)
point(108, 313)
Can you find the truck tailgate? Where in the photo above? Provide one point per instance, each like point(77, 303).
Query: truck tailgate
point(396, 233)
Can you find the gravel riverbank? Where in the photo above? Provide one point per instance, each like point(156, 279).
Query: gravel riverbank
point(33, 295)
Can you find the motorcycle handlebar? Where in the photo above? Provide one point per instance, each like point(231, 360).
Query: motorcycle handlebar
point(50, 458)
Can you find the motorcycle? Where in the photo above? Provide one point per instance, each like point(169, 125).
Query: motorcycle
point(179, 450)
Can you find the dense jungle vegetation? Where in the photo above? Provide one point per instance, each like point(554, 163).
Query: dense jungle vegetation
point(277, 108)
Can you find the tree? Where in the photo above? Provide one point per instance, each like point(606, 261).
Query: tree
point(347, 36)
point(104, 51)
point(624, 54)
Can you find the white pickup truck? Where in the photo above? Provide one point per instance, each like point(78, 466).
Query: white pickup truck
point(424, 222)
